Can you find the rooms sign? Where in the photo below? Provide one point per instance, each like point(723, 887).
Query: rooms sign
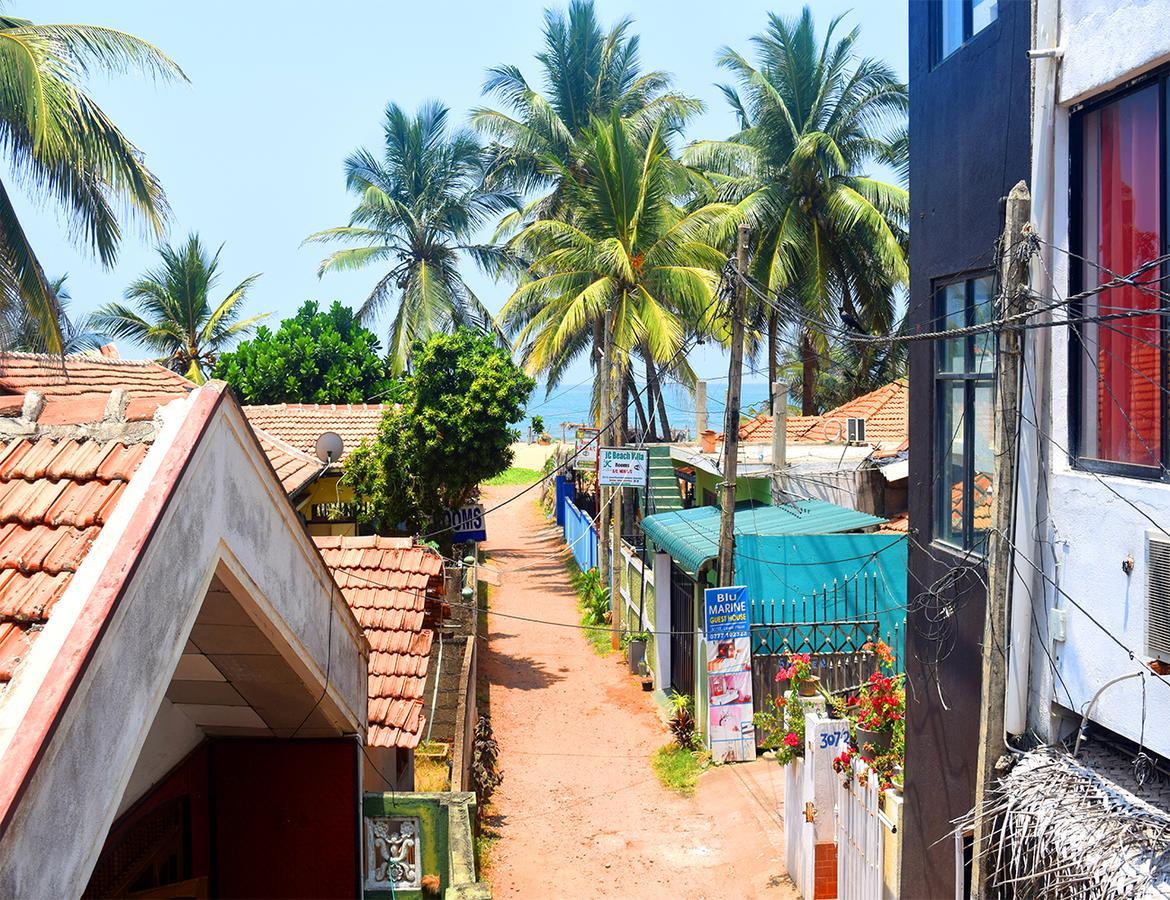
point(623, 467)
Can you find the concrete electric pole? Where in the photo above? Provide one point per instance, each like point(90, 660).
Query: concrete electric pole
point(1013, 263)
point(731, 423)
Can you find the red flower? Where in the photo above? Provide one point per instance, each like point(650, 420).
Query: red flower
point(791, 739)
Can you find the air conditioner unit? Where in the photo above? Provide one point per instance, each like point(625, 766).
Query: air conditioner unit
point(855, 431)
point(1158, 598)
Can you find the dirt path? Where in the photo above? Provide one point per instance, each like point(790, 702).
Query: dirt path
point(580, 813)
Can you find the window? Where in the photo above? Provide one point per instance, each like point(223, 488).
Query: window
point(957, 21)
point(964, 373)
point(1119, 366)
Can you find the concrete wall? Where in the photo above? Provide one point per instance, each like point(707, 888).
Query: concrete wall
point(1092, 526)
point(227, 513)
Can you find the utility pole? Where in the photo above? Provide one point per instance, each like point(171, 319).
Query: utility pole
point(731, 424)
point(779, 437)
point(1014, 280)
point(700, 408)
point(605, 569)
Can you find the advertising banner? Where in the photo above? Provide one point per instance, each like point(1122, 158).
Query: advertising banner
point(622, 467)
point(727, 624)
point(467, 523)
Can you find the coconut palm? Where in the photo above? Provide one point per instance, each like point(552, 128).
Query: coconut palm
point(62, 146)
point(588, 74)
point(419, 208)
point(630, 257)
point(77, 334)
point(829, 239)
point(175, 315)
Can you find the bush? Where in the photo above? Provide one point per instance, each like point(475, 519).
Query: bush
point(682, 723)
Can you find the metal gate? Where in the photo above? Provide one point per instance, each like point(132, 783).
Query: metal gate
point(682, 628)
point(860, 838)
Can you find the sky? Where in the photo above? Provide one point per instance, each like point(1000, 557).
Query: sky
point(250, 152)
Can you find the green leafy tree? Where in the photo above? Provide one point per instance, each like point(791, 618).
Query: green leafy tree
point(829, 239)
point(453, 431)
point(419, 208)
point(631, 255)
point(587, 74)
point(63, 146)
point(313, 357)
point(175, 315)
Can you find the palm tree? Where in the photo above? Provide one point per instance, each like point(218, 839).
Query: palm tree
point(419, 208)
point(631, 258)
point(63, 146)
point(77, 334)
point(588, 74)
point(175, 317)
point(829, 240)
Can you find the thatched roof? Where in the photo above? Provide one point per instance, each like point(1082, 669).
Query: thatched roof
point(1078, 828)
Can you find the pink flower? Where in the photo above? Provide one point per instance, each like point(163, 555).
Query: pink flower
point(791, 739)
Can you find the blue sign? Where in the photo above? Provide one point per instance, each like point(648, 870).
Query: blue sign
point(467, 523)
point(726, 614)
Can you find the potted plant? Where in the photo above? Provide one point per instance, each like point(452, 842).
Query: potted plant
point(782, 728)
point(636, 651)
point(647, 677)
point(881, 707)
point(798, 674)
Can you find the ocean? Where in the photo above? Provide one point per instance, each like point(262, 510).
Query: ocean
point(571, 405)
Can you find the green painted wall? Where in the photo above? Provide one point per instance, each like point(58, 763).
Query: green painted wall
point(747, 488)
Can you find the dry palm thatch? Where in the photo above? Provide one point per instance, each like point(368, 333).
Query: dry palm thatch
point(1076, 828)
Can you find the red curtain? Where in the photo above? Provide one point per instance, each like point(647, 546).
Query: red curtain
point(1129, 230)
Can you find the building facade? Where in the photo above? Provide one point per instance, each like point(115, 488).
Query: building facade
point(969, 130)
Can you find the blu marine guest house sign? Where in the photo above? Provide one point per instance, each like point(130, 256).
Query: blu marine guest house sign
point(623, 467)
point(727, 626)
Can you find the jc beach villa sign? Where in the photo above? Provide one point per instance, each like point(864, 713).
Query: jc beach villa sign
point(622, 467)
point(727, 627)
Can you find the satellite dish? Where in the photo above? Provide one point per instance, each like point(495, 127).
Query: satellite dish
point(329, 447)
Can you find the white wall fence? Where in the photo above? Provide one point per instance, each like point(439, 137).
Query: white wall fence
point(635, 579)
point(840, 842)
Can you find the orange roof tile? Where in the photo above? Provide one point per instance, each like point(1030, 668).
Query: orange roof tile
point(886, 412)
point(385, 581)
point(899, 524)
point(300, 424)
point(55, 495)
point(759, 429)
point(294, 468)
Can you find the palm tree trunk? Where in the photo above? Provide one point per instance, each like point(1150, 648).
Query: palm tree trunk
point(865, 357)
point(808, 378)
point(639, 411)
point(653, 379)
point(652, 430)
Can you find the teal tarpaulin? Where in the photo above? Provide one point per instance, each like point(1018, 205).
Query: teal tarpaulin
point(789, 577)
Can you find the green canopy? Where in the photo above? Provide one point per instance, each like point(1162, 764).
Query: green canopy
point(691, 536)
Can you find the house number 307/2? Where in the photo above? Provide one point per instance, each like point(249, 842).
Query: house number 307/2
point(833, 738)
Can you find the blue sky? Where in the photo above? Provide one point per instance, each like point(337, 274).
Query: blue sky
point(250, 153)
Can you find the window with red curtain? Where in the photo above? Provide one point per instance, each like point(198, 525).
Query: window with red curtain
point(1121, 358)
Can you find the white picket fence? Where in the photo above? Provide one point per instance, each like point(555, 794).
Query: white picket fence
point(861, 837)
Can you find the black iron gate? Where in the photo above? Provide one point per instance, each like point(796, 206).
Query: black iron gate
point(682, 627)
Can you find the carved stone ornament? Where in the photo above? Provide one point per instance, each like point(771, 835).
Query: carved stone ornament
point(393, 853)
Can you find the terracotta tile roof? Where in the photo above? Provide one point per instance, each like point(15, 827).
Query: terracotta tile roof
point(759, 429)
point(899, 524)
point(55, 495)
point(385, 581)
point(294, 468)
point(300, 424)
point(981, 506)
point(77, 387)
point(886, 412)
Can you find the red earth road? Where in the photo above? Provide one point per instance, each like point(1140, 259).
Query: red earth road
point(580, 812)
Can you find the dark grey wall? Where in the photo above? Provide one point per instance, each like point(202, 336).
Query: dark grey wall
point(969, 143)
